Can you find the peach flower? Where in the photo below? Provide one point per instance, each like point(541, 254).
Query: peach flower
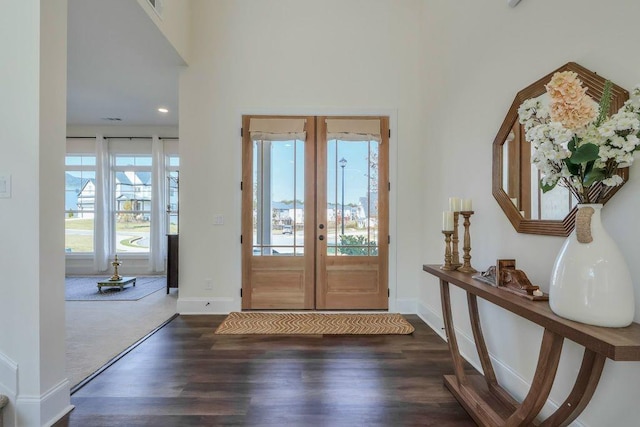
point(570, 104)
point(574, 116)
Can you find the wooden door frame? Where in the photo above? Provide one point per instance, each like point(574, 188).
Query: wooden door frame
point(405, 305)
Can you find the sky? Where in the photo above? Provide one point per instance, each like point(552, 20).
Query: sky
point(355, 172)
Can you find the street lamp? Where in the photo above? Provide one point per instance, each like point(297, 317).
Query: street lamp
point(343, 163)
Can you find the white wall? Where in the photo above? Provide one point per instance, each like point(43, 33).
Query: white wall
point(289, 56)
point(450, 70)
point(478, 56)
point(33, 112)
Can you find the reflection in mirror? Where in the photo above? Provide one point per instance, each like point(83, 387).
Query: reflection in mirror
point(521, 181)
point(516, 180)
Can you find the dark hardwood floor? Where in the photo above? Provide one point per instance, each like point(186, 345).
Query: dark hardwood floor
point(184, 375)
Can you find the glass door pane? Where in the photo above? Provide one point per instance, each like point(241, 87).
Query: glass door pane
point(278, 198)
point(173, 180)
point(352, 198)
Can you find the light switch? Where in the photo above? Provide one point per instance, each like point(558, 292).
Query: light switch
point(5, 186)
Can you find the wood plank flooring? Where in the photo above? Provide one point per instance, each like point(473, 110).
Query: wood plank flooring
point(184, 375)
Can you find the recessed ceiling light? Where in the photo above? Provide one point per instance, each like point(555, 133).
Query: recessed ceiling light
point(163, 110)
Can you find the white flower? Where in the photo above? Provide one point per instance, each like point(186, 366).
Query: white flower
point(607, 129)
point(616, 139)
point(613, 181)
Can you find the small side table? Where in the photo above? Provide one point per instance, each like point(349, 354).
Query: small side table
point(116, 283)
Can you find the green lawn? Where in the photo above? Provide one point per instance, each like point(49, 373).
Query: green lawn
point(87, 224)
point(79, 243)
point(78, 224)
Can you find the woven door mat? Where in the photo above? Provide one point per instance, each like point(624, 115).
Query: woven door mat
point(314, 323)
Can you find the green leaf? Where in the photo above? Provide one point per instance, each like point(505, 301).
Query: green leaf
point(585, 153)
point(572, 144)
point(573, 169)
point(547, 187)
point(593, 176)
point(588, 167)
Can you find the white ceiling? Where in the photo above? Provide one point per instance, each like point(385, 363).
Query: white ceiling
point(119, 65)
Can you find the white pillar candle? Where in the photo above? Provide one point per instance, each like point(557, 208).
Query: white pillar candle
point(454, 204)
point(447, 221)
point(466, 205)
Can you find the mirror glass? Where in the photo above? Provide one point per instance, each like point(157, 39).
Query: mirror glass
point(521, 180)
point(516, 181)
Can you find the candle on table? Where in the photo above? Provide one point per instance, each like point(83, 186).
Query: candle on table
point(447, 221)
point(466, 205)
point(455, 204)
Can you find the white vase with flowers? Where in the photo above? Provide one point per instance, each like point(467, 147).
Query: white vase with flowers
point(577, 145)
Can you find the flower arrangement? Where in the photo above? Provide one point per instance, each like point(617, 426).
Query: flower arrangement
point(575, 144)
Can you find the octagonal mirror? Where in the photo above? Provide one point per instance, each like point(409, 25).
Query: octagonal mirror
point(516, 182)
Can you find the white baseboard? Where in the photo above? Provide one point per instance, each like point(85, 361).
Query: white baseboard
point(405, 306)
point(207, 305)
point(44, 410)
point(56, 403)
point(202, 305)
point(509, 379)
point(431, 318)
point(9, 387)
point(8, 375)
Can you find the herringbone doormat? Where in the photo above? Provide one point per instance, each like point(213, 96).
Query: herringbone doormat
point(314, 323)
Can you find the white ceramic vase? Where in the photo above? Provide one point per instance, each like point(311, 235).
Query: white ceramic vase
point(590, 280)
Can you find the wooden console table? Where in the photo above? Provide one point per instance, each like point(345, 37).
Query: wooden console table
point(481, 395)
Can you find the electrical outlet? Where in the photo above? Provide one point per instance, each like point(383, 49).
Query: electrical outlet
point(218, 219)
point(208, 284)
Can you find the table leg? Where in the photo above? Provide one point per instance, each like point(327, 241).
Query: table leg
point(483, 354)
point(583, 389)
point(458, 364)
point(548, 360)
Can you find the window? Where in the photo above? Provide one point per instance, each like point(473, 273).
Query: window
point(158, 6)
point(132, 202)
point(79, 202)
point(173, 178)
point(110, 205)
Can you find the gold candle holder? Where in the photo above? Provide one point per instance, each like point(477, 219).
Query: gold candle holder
point(447, 251)
point(116, 263)
point(455, 255)
point(466, 266)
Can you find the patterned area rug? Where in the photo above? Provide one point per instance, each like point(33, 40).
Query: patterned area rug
point(314, 323)
point(85, 289)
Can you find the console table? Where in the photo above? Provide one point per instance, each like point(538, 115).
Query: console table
point(481, 395)
point(172, 261)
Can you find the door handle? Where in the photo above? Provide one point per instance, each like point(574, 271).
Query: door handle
point(321, 226)
point(321, 237)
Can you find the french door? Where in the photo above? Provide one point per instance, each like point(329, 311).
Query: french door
point(315, 216)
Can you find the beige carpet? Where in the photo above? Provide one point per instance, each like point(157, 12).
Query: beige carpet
point(314, 323)
point(98, 331)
